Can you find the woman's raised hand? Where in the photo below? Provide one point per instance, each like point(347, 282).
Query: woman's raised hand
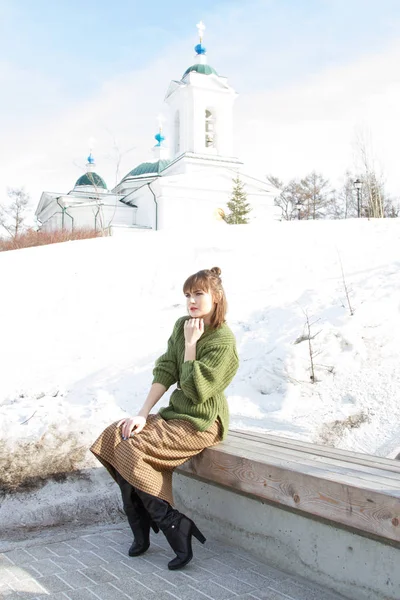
point(193, 330)
point(131, 425)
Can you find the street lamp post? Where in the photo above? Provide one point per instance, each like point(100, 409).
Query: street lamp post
point(358, 185)
point(299, 207)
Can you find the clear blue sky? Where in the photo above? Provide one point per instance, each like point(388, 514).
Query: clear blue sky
point(82, 43)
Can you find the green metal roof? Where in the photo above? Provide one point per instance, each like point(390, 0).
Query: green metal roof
point(203, 69)
point(93, 179)
point(148, 168)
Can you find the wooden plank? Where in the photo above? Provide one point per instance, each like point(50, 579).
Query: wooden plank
point(353, 457)
point(332, 496)
point(311, 467)
point(304, 459)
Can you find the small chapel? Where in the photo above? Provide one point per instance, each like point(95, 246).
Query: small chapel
point(191, 174)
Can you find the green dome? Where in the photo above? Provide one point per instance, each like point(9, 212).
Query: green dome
point(148, 168)
point(203, 69)
point(91, 178)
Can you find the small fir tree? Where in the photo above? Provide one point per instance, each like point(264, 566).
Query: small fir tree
point(237, 205)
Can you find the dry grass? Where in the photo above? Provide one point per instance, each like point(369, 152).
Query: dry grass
point(32, 238)
point(333, 431)
point(33, 463)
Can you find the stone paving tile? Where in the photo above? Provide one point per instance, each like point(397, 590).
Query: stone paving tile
point(9, 594)
point(83, 594)
point(155, 583)
point(213, 590)
point(99, 541)
point(90, 559)
point(233, 584)
point(47, 567)
point(15, 573)
point(141, 566)
point(190, 593)
point(99, 575)
point(80, 545)
point(20, 557)
point(215, 566)
point(233, 560)
point(120, 569)
point(40, 552)
point(118, 536)
point(255, 579)
point(28, 587)
point(6, 577)
point(76, 579)
point(197, 572)
point(53, 584)
point(4, 561)
point(67, 563)
point(106, 591)
point(61, 549)
point(271, 572)
point(108, 554)
point(159, 560)
point(270, 594)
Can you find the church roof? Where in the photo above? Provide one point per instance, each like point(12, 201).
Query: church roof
point(148, 168)
point(200, 68)
point(91, 178)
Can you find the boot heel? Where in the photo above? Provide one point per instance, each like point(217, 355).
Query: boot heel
point(154, 527)
point(197, 533)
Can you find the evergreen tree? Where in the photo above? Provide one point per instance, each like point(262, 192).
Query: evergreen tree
point(237, 205)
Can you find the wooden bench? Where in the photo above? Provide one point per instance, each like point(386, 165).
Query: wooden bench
point(350, 489)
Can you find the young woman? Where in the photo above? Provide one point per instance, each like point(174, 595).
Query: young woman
point(141, 452)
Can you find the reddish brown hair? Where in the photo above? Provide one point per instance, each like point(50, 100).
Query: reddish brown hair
point(209, 280)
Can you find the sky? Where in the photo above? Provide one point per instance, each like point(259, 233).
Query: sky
point(312, 76)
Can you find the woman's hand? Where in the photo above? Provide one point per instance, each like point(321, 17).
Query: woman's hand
point(193, 330)
point(132, 425)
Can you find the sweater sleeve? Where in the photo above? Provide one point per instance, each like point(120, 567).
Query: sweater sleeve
point(166, 368)
point(210, 374)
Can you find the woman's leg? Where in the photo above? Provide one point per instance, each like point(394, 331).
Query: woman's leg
point(138, 518)
point(177, 528)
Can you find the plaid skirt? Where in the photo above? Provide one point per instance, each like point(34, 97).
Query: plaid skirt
point(148, 459)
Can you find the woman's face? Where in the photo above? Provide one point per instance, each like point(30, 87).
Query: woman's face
point(200, 305)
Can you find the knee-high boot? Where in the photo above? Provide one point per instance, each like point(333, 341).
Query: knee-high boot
point(177, 528)
point(138, 517)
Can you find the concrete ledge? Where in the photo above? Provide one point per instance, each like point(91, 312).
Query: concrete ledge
point(359, 568)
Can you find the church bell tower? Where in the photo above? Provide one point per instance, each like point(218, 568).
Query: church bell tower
point(200, 114)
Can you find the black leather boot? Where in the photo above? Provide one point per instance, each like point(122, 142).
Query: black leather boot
point(177, 528)
point(138, 518)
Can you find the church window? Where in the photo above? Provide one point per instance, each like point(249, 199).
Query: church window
point(210, 129)
point(177, 136)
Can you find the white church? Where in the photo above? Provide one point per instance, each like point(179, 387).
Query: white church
point(190, 177)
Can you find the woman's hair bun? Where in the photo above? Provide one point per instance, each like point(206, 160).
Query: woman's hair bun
point(216, 271)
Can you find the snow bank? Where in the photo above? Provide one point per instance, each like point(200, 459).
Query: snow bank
point(83, 322)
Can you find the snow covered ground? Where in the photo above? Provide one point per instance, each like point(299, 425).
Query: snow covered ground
point(82, 323)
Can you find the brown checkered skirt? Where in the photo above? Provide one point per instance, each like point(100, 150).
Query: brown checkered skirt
point(148, 459)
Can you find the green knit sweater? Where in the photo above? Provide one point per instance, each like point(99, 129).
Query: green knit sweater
point(199, 397)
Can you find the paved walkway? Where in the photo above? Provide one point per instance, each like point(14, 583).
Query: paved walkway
point(92, 564)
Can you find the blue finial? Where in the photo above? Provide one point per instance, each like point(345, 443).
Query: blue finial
point(200, 49)
point(90, 159)
point(159, 138)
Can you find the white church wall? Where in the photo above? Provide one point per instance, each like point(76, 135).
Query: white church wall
point(146, 207)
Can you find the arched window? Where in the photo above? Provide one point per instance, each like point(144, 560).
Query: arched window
point(177, 134)
point(209, 129)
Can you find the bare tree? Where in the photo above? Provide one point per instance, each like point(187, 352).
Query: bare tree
point(373, 191)
point(316, 196)
point(289, 199)
point(13, 215)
